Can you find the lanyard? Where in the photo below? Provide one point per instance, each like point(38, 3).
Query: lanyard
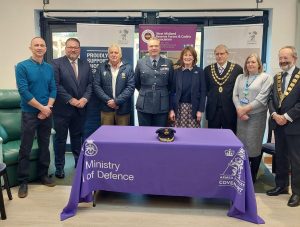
point(247, 85)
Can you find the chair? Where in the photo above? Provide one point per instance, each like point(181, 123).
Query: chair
point(10, 134)
point(3, 173)
point(269, 148)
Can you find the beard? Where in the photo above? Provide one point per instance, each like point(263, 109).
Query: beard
point(285, 66)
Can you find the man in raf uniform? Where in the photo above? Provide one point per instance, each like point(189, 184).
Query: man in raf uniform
point(153, 77)
point(220, 78)
point(284, 107)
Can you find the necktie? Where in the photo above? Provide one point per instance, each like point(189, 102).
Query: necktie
point(154, 63)
point(73, 63)
point(283, 81)
point(221, 69)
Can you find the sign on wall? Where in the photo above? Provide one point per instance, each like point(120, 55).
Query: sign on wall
point(241, 40)
point(173, 38)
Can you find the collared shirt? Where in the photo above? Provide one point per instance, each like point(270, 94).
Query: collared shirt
point(224, 66)
point(157, 59)
point(287, 79)
point(114, 75)
point(288, 76)
point(76, 64)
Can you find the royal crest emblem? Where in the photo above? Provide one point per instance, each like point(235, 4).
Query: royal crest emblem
point(229, 152)
point(90, 148)
point(233, 174)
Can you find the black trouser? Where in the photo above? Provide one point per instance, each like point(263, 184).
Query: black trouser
point(219, 121)
point(31, 126)
point(254, 166)
point(287, 154)
point(63, 124)
point(147, 119)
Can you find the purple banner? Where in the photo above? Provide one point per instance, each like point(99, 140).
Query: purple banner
point(172, 37)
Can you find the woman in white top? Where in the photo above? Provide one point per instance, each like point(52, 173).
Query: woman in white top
point(250, 97)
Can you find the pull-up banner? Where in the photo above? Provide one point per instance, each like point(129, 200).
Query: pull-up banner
point(173, 38)
point(96, 38)
point(241, 41)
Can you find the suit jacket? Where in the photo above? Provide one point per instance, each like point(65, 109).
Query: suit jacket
point(289, 105)
point(124, 87)
point(154, 85)
point(224, 99)
point(198, 90)
point(68, 86)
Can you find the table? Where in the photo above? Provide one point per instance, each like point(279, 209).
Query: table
point(208, 163)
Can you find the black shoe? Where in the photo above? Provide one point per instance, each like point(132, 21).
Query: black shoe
point(60, 174)
point(23, 191)
point(48, 181)
point(277, 190)
point(294, 201)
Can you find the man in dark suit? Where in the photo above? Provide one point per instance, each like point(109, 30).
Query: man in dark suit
point(74, 87)
point(114, 86)
point(153, 79)
point(220, 78)
point(284, 107)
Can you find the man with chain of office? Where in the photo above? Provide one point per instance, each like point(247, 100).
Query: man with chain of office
point(220, 78)
point(284, 107)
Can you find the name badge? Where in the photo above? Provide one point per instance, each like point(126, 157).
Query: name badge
point(244, 101)
point(123, 76)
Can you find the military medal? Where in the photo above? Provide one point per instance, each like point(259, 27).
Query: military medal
point(221, 80)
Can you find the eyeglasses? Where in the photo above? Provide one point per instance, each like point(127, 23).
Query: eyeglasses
point(220, 54)
point(73, 48)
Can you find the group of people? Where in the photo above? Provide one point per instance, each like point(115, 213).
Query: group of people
point(231, 97)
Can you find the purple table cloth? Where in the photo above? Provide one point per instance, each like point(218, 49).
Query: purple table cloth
point(208, 163)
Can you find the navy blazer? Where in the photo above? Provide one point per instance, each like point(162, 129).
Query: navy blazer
point(289, 105)
point(68, 86)
point(124, 87)
point(198, 90)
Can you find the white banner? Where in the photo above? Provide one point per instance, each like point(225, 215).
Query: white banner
point(96, 38)
point(241, 41)
point(103, 35)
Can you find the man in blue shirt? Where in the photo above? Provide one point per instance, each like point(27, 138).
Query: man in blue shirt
point(36, 85)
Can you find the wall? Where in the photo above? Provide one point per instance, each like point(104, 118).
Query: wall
point(19, 24)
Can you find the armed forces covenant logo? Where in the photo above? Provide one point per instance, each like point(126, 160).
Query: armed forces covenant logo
point(147, 34)
point(90, 149)
point(232, 175)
